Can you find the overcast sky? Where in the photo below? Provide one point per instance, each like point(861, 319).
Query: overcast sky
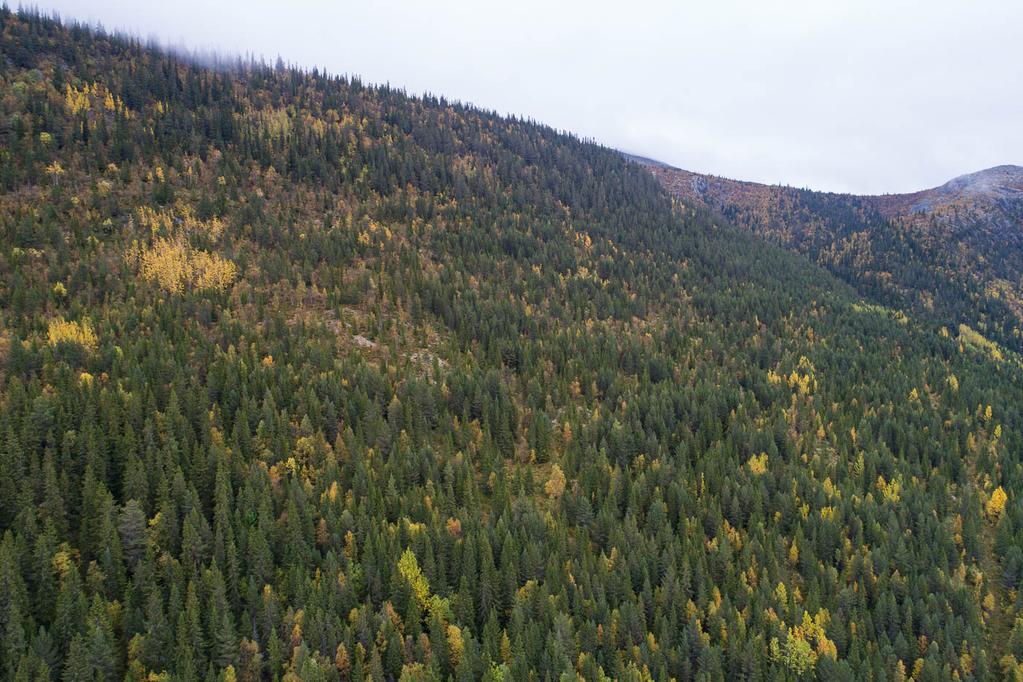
point(867, 96)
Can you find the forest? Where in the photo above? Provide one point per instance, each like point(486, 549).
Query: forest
point(954, 261)
point(307, 379)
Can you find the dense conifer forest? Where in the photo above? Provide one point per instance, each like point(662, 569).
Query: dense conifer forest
point(305, 379)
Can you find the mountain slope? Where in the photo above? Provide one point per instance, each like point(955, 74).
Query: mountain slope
point(995, 188)
point(952, 253)
point(305, 379)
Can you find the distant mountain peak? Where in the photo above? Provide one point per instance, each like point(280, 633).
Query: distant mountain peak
point(999, 180)
point(985, 187)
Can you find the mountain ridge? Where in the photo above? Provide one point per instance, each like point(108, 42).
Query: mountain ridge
point(1001, 181)
point(953, 253)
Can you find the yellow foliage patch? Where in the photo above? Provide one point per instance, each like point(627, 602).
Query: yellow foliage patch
point(804, 644)
point(456, 644)
point(555, 485)
point(973, 340)
point(996, 504)
point(891, 490)
point(175, 266)
point(60, 331)
point(408, 568)
point(757, 464)
point(78, 100)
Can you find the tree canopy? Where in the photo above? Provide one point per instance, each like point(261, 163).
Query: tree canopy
point(309, 379)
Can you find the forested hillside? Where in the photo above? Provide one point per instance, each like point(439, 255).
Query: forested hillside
point(304, 379)
point(952, 254)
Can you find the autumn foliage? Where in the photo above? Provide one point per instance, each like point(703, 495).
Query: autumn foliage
point(80, 333)
point(306, 379)
point(175, 267)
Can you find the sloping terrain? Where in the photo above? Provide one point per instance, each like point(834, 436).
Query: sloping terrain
point(306, 379)
point(989, 192)
point(953, 254)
